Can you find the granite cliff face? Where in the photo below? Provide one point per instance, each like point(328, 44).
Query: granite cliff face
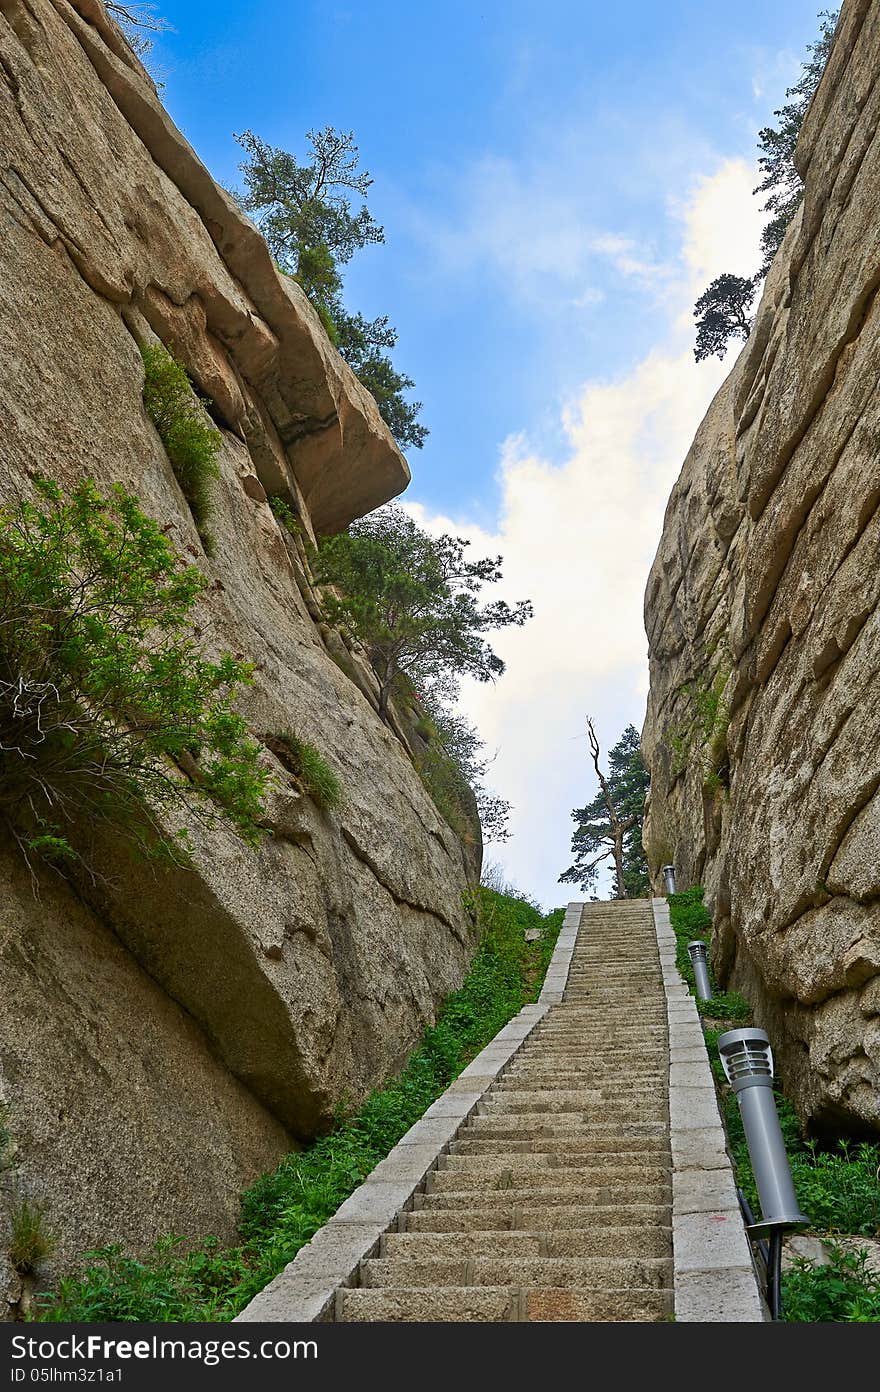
point(763, 617)
point(166, 1036)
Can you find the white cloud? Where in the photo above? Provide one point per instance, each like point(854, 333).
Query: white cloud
point(589, 297)
point(578, 536)
point(628, 258)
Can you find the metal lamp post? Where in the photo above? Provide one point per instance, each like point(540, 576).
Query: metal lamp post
point(668, 873)
point(700, 963)
point(748, 1065)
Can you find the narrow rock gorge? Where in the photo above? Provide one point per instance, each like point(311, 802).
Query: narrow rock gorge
point(763, 617)
point(167, 1034)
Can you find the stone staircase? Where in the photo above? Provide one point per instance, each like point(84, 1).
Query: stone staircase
point(553, 1201)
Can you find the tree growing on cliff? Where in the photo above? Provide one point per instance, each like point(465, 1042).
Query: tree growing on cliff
point(722, 310)
point(722, 314)
point(412, 600)
point(109, 713)
point(454, 755)
point(781, 181)
point(305, 212)
point(610, 827)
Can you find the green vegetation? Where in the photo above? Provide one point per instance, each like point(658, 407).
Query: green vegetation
point(611, 825)
point(780, 179)
point(104, 697)
point(448, 787)
point(692, 922)
point(284, 1209)
point(411, 600)
point(190, 441)
point(285, 514)
point(452, 770)
point(703, 728)
point(309, 767)
point(722, 313)
point(846, 1291)
point(304, 212)
point(722, 310)
point(838, 1186)
point(30, 1241)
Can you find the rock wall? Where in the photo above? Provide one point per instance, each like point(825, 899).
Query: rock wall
point(763, 617)
point(166, 1035)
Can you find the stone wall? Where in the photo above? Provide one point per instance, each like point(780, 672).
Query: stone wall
point(763, 617)
point(166, 1035)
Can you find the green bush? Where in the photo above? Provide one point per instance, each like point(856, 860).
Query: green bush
point(190, 441)
point(310, 768)
point(103, 694)
point(285, 514)
point(846, 1291)
point(839, 1188)
point(285, 1208)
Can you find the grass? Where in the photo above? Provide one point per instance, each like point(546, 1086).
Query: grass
point(309, 768)
point(838, 1186)
point(30, 1241)
point(190, 441)
point(691, 922)
point(285, 1208)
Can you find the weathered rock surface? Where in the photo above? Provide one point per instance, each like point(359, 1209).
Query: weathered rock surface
point(166, 1035)
point(763, 617)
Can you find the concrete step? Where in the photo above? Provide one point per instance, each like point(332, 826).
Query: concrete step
point(622, 1088)
point(470, 1304)
point(592, 1273)
point(631, 1149)
point(526, 1172)
point(578, 1055)
point(578, 1058)
point(564, 1194)
point(604, 1163)
point(597, 1032)
point(648, 1108)
point(491, 1215)
point(530, 1125)
point(564, 1242)
point(594, 1028)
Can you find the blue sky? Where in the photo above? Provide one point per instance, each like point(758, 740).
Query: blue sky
point(557, 182)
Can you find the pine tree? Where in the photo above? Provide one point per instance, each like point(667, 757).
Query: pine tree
point(610, 827)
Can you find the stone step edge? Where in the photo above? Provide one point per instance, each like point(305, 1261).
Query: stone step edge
point(713, 1273)
point(305, 1291)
